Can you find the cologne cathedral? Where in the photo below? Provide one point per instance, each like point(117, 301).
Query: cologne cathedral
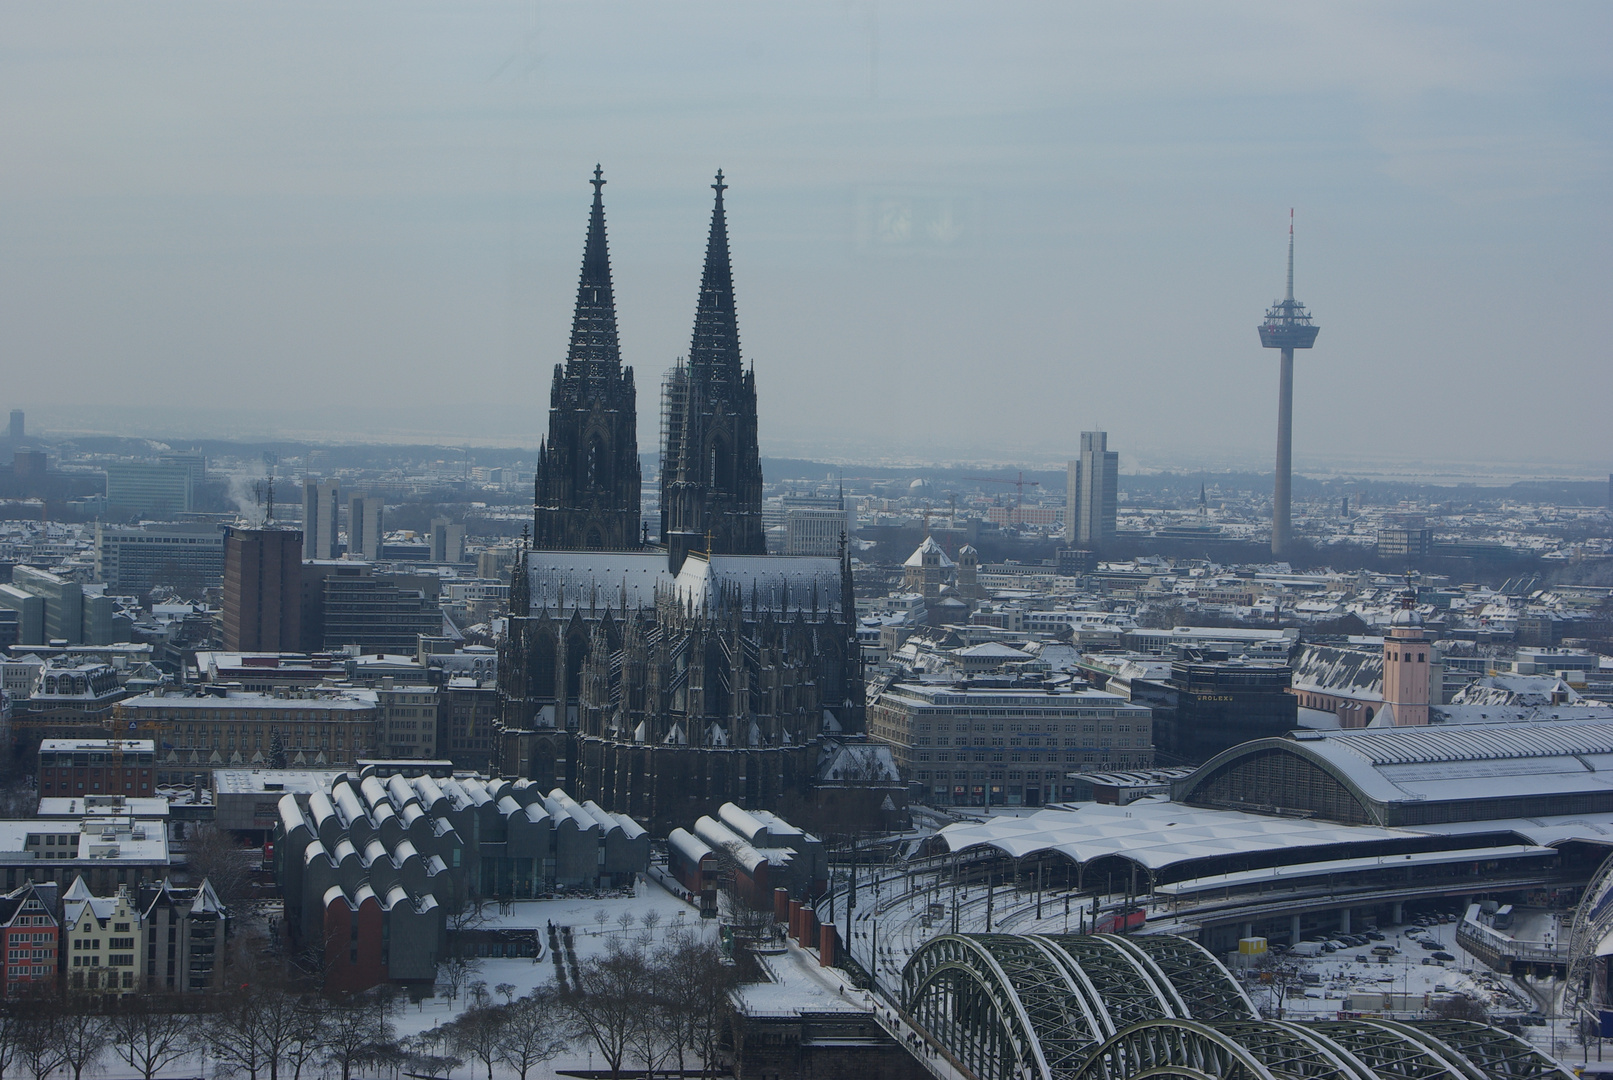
point(662, 677)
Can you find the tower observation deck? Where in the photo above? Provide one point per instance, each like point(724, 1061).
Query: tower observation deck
point(1288, 326)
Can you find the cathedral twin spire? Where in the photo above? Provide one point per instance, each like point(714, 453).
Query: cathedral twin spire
point(714, 350)
point(588, 487)
point(593, 326)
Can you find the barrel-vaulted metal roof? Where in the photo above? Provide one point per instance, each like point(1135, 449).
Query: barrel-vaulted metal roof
point(1388, 770)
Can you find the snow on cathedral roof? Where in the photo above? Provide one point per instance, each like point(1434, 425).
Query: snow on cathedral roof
point(568, 579)
point(563, 580)
point(769, 582)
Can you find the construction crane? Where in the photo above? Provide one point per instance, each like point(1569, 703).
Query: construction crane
point(1019, 482)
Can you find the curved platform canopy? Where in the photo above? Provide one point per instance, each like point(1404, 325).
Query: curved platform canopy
point(1107, 1007)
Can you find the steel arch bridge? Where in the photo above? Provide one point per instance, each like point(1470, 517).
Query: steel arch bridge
point(1106, 1007)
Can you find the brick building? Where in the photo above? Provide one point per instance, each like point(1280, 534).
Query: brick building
point(84, 767)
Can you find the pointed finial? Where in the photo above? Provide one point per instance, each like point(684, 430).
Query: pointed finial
point(598, 181)
point(1290, 253)
point(719, 187)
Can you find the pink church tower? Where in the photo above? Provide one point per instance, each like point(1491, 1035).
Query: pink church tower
point(1405, 665)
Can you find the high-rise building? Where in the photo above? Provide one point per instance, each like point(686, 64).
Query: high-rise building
point(148, 490)
point(1092, 492)
point(1287, 327)
point(17, 426)
point(262, 590)
point(588, 485)
point(812, 531)
point(711, 473)
point(447, 541)
point(365, 527)
point(134, 559)
point(319, 503)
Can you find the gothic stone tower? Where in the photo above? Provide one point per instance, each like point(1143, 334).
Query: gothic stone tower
point(711, 473)
point(587, 491)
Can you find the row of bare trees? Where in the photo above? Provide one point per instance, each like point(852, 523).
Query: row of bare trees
point(639, 1004)
point(266, 1030)
point(43, 1034)
point(654, 1006)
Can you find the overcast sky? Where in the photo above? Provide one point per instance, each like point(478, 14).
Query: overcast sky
point(959, 231)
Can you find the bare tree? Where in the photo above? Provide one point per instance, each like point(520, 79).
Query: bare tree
point(235, 1035)
point(1280, 976)
point(214, 854)
point(476, 1034)
point(10, 1033)
point(607, 1004)
point(459, 972)
point(84, 1034)
point(306, 1039)
point(530, 1036)
point(694, 979)
point(150, 1033)
point(358, 1031)
point(506, 991)
point(39, 1046)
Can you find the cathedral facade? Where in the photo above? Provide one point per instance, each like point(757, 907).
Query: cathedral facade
point(664, 679)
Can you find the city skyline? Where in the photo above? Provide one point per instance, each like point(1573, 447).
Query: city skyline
point(360, 232)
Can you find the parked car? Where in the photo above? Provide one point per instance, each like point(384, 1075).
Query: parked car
point(1444, 956)
point(1373, 935)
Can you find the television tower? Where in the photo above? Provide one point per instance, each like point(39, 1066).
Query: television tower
point(1287, 327)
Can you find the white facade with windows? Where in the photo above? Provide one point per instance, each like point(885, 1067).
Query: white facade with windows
point(1004, 742)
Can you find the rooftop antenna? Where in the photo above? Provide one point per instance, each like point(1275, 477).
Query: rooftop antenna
point(270, 460)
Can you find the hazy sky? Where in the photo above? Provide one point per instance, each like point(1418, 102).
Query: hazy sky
point(959, 231)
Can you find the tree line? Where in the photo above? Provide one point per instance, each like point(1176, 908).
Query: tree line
point(639, 1005)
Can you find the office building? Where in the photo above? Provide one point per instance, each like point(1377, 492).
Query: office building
point(365, 528)
point(373, 613)
point(447, 541)
point(1221, 703)
point(140, 490)
point(106, 848)
point(1007, 742)
point(194, 460)
point(493, 563)
point(319, 509)
point(17, 427)
point(811, 531)
point(262, 590)
point(1092, 491)
point(51, 608)
point(470, 713)
point(1404, 541)
point(408, 720)
point(132, 560)
point(216, 728)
